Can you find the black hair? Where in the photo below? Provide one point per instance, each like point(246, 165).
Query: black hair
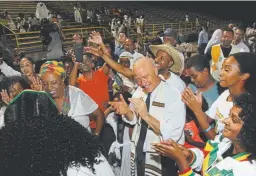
point(247, 63)
point(29, 59)
point(111, 43)
point(42, 146)
point(36, 141)
point(30, 103)
point(199, 62)
point(8, 82)
point(227, 29)
point(124, 32)
point(126, 96)
point(65, 59)
point(247, 135)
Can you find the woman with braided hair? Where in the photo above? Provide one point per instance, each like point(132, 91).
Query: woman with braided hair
point(36, 141)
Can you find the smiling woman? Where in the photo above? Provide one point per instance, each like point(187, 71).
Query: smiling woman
point(70, 100)
point(237, 74)
point(27, 68)
point(232, 153)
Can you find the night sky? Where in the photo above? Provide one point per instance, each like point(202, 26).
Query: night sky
point(235, 10)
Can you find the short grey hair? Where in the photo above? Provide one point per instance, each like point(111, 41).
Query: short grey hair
point(144, 57)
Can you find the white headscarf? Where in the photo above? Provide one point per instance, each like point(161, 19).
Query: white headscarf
point(216, 39)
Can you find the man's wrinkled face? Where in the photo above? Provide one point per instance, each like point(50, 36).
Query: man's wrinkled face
point(145, 77)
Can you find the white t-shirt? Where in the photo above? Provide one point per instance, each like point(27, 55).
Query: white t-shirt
point(81, 106)
point(101, 169)
point(220, 110)
point(175, 81)
point(242, 47)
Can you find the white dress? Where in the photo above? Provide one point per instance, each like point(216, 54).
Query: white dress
point(81, 106)
point(41, 11)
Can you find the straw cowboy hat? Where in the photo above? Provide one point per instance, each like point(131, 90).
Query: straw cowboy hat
point(178, 60)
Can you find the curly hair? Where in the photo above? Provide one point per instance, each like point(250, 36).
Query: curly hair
point(8, 82)
point(247, 135)
point(43, 146)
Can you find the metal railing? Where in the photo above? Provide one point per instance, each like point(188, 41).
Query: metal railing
point(30, 40)
point(4, 28)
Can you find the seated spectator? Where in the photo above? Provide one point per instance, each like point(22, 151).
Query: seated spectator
point(38, 141)
point(232, 153)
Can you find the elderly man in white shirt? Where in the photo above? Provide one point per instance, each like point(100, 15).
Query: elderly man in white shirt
point(158, 114)
point(238, 40)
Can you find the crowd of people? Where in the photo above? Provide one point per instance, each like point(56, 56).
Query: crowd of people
point(111, 107)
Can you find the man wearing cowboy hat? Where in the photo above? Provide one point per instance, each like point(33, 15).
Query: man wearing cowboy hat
point(170, 37)
point(168, 62)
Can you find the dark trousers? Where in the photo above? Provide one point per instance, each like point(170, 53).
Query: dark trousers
point(201, 48)
point(169, 167)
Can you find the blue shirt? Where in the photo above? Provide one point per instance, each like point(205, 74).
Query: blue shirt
point(118, 50)
point(210, 95)
point(203, 37)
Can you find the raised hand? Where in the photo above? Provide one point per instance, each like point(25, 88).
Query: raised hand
point(77, 39)
point(97, 51)
point(5, 97)
point(139, 107)
point(95, 38)
point(37, 84)
point(193, 101)
point(120, 107)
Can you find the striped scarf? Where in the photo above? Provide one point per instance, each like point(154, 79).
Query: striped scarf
point(66, 102)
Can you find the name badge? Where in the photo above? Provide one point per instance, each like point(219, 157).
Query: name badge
point(158, 104)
